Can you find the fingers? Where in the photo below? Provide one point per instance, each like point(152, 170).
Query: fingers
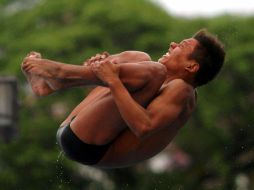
point(97, 57)
point(102, 66)
point(105, 71)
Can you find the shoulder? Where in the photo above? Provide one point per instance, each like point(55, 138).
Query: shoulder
point(179, 90)
point(174, 100)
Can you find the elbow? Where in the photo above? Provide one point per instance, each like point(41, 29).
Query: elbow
point(140, 56)
point(162, 72)
point(143, 132)
point(159, 71)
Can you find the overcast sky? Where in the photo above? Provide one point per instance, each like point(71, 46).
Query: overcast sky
point(207, 8)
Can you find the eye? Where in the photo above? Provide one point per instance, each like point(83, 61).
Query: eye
point(181, 45)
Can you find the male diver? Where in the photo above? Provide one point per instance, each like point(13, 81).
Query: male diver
point(138, 106)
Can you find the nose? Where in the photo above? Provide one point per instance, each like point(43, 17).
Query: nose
point(173, 45)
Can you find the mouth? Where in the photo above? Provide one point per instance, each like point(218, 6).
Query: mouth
point(166, 55)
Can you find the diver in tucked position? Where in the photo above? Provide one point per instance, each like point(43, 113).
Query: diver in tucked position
point(138, 105)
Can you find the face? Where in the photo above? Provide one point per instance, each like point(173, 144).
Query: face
point(178, 53)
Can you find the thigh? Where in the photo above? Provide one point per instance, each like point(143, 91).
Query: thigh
point(96, 93)
point(100, 122)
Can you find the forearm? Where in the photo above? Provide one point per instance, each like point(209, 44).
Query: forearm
point(135, 116)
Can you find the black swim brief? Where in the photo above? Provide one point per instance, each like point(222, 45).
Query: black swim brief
point(77, 150)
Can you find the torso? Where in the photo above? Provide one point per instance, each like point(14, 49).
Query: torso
point(127, 149)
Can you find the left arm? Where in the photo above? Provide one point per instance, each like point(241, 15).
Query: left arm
point(160, 113)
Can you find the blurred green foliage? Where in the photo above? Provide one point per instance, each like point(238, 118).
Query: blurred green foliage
point(218, 138)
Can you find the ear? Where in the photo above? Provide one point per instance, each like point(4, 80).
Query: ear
point(192, 67)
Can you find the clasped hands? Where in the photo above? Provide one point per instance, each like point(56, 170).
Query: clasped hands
point(107, 71)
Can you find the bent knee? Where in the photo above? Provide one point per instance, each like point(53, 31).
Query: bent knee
point(156, 78)
point(136, 76)
point(157, 73)
point(134, 56)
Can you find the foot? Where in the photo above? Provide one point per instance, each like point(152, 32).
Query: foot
point(38, 84)
point(44, 77)
point(41, 67)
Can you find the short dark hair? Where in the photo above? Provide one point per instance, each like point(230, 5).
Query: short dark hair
point(209, 54)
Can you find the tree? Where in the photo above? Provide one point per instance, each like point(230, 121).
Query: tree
point(218, 137)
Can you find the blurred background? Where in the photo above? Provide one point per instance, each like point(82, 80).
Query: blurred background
point(214, 151)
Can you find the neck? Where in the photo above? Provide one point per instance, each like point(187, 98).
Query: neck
point(188, 80)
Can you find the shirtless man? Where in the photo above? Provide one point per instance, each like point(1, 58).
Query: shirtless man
point(138, 106)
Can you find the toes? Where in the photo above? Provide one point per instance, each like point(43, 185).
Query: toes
point(34, 54)
point(26, 67)
point(105, 53)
